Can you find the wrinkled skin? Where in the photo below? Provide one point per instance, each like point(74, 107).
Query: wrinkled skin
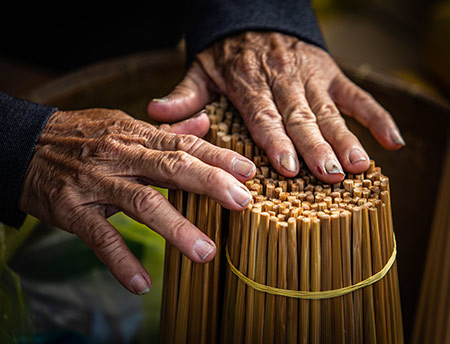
point(93, 163)
point(290, 94)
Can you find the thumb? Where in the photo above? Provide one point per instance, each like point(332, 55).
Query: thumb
point(187, 98)
point(197, 125)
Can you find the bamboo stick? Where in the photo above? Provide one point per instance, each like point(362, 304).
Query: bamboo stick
point(304, 233)
point(239, 312)
point(337, 281)
point(292, 281)
point(207, 278)
point(370, 335)
point(252, 250)
point(442, 309)
point(171, 283)
point(215, 297)
point(197, 283)
point(260, 277)
point(357, 273)
point(280, 301)
point(181, 328)
point(235, 227)
point(272, 262)
point(349, 325)
point(377, 265)
point(390, 280)
point(390, 320)
point(386, 198)
point(315, 280)
point(326, 271)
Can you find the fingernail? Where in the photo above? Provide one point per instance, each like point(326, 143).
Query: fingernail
point(332, 167)
point(140, 285)
point(356, 156)
point(243, 167)
point(289, 162)
point(159, 100)
point(203, 248)
point(397, 138)
point(240, 196)
point(198, 114)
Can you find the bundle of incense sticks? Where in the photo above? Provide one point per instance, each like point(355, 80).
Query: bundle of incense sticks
point(298, 236)
point(432, 323)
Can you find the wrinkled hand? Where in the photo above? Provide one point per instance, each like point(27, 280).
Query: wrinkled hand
point(289, 93)
point(93, 163)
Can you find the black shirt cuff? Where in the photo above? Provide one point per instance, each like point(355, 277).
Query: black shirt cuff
point(211, 20)
point(21, 125)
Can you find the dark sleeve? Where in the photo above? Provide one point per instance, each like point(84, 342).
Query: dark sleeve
point(21, 125)
point(211, 20)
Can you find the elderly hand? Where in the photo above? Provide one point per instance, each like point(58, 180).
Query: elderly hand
point(289, 93)
point(93, 163)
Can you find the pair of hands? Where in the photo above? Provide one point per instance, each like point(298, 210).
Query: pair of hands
point(93, 163)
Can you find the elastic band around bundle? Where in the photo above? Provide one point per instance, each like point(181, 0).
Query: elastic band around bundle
point(314, 295)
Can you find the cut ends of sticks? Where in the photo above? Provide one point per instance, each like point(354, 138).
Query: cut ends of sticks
point(297, 234)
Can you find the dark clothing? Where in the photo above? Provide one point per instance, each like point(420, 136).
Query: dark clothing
point(21, 125)
point(81, 35)
point(211, 20)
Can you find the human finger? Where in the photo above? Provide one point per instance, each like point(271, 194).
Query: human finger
point(180, 170)
point(151, 208)
point(197, 125)
point(355, 102)
point(347, 147)
point(107, 243)
point(302, 128)
point(188, 97)
point(226, 159)
point(266, 127)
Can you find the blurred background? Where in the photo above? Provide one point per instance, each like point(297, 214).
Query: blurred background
point(406, 38)
point(52, 288)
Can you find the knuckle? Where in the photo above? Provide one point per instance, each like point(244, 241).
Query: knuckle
point(106, 143)
point(300, 116)
point(363, 98)
point(178, 162)
point(270, 129)
point(105, 242)
point(325, 109)
point(332, 121)
point(282, 61)
point(214, 176)
point(181, 228)
point(158, 139)
point(108, 245)
point(246, 63)
point(146, 200)
point(187, 143)
point(128, 125)
point(75, 219)
point(266, 121)
point(265, 117)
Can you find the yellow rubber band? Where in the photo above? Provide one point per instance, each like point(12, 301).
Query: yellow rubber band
point(314, 295)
